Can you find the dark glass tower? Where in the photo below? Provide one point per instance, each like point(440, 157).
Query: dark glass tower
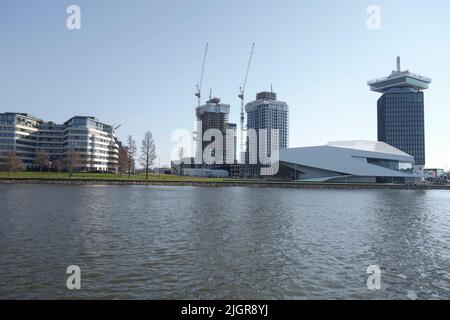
point(401, 112)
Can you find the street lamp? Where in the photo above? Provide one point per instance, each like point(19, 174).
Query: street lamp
point(49, 167)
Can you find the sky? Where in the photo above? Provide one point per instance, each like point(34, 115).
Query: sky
point(136, 63)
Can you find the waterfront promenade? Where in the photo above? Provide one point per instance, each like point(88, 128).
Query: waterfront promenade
point(174, 180)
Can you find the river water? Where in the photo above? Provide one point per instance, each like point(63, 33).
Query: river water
point(138, 242)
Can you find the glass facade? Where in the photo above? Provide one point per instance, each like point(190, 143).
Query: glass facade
point(269, 114)
point(269, 118)
point(401, 121)
point(7, 118)
point(390, 164)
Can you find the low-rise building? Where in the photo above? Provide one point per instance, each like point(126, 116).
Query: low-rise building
point(206, 173)
point(435, 175)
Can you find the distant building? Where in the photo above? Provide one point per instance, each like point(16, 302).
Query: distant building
point(232, 143)
point(347, 161)
point(433, 173)
point(401, 112)
point(206, 173)
point(94, 141)
point(264, 115)
point(214, 115)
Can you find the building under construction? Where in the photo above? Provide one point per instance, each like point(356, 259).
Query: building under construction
point(222, 158)
point(214, 115)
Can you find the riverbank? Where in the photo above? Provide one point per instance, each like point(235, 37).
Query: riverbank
point(217, 183)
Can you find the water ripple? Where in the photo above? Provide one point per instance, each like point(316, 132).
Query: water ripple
point(192, 243)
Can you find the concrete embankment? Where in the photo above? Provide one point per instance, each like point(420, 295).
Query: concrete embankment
point(225, 183)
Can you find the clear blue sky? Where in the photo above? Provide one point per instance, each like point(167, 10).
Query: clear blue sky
point(136, 62)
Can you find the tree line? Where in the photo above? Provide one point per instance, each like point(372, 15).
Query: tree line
point(128, 155)
point(12, 162)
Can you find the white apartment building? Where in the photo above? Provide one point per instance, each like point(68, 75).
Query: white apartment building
point(94, 141)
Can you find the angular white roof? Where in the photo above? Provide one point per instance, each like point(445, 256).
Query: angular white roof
point(365, 145)
point(349, 157)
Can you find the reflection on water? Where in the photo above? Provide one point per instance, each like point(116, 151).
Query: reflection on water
point(231, 243)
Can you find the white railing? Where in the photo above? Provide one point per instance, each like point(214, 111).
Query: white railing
point(404, 74)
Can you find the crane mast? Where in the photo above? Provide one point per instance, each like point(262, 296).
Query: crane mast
point(241, 96)
point(198, 92)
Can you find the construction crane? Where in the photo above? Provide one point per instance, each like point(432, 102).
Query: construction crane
point(241, 96)
point(198, 93)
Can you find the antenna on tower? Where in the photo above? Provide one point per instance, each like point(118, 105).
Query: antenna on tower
point(398, 65)
point(241, 96)
point(198, 92)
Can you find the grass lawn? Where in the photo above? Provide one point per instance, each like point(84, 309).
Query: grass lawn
point(104, 176)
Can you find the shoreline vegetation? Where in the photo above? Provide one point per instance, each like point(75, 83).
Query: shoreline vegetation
point(174, 180)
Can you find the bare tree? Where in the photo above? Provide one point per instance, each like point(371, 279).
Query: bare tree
point(72, 161)
point(148, 152)
point(42, 159)
point(58, 166)
point(123, 160)
point(12, 162)
point(131, 147)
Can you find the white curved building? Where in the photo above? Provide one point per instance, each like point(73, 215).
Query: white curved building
point(348, 161)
